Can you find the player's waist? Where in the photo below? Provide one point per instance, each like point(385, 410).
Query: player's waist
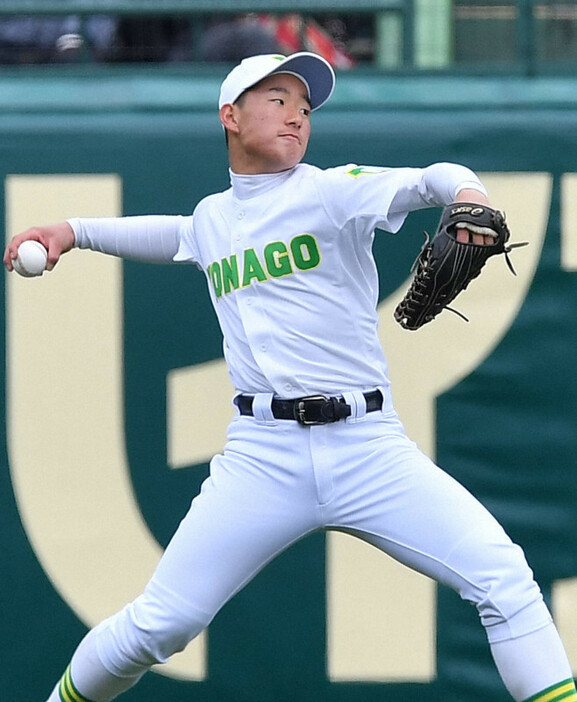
point(310, 410)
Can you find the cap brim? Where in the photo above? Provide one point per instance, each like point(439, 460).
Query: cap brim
point(315, 71)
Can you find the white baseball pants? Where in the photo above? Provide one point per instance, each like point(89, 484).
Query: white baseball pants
point(278, 481)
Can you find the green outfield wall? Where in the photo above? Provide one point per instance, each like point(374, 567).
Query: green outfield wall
point(116, 394)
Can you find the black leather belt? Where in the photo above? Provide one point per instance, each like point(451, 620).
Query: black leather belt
point(314, 409)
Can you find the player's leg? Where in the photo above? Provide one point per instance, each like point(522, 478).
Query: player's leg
point(248, 511)
point(402, 503)
point(543, 648)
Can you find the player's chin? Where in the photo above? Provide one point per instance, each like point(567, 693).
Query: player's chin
point(291, 156)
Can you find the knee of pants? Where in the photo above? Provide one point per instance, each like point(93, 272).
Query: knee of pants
point(509, 601)
point(148, 631)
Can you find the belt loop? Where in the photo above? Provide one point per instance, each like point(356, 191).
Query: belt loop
point(358, 404)
point(387, 400)
point(262, 409)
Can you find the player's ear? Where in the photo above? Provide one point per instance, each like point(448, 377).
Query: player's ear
point(227, 114)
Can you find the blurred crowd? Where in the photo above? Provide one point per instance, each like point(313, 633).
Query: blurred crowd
point(123, 39)
point(481, 33)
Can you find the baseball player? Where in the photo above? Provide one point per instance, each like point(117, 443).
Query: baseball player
point(315, 442)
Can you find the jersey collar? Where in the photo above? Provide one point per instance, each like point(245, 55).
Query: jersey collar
point(245, 187)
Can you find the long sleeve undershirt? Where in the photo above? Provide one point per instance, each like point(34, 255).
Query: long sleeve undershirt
point(149, 238)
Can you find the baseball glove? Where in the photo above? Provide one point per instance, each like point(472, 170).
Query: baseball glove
point(446, 266)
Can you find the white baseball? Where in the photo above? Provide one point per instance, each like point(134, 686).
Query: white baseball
point(31, 259)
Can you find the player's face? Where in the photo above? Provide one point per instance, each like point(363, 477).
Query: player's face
point(270, 126)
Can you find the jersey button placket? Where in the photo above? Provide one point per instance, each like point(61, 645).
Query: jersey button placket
point(250, 308)
point(238, 232)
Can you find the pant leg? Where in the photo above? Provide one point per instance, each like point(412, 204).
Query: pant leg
point(390, 494)
point(259, 499)
point(379, 486)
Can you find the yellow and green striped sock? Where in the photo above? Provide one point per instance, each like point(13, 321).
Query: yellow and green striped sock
point(564, 691)
point(67, 691)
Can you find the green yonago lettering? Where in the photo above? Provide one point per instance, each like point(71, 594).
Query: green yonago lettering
point(215, 276)
point(366, 170)
point(305, 251)
point(277, 259)
point(252, 268)
point(280, 260)
point(229, 268)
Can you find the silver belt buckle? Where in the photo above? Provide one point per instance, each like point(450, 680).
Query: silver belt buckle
point(307, 403)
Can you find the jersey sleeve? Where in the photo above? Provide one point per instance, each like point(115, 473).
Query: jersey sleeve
point(187, 250)
point(377, 197)
point(150, 238)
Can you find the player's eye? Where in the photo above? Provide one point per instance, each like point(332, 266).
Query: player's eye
point(305, 111)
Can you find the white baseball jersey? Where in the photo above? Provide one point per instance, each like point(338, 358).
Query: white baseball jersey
point(290, 268)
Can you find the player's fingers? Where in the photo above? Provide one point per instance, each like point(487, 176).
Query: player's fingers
point(11, 250)
point(464, 236)
point(8, 260)
point(54, 252)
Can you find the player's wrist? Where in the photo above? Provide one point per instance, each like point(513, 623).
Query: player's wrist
point(471, 195)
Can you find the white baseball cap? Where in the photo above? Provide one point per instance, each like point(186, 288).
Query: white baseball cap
point(314, 71)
